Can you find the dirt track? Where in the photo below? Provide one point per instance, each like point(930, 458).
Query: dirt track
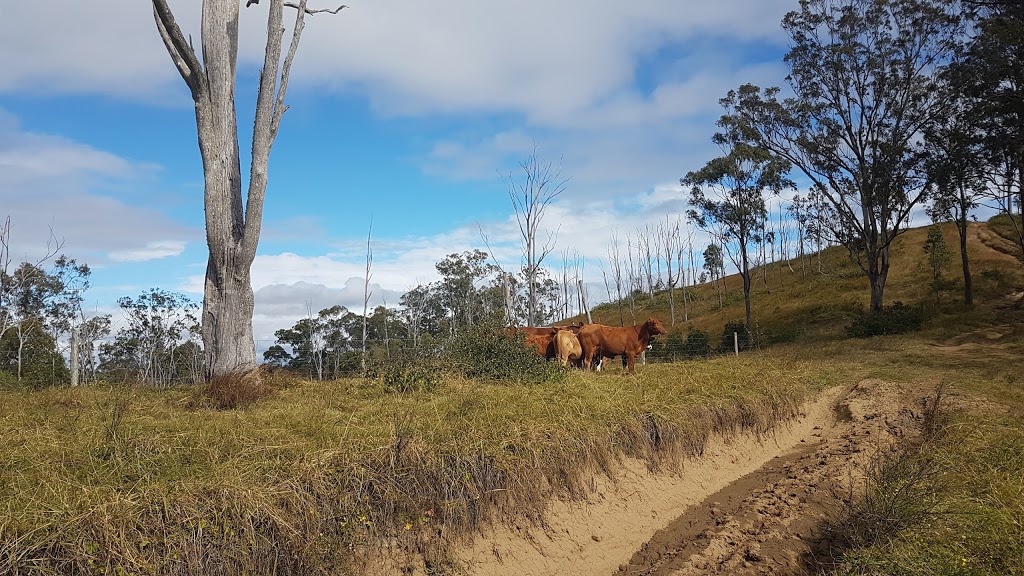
point(748, 507)
point(772, 521)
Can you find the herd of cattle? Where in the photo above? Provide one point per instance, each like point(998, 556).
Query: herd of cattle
point(585, 345)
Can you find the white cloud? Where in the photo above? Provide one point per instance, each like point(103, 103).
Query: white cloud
point(151, 251)
point(411, 57)
point(53, 185)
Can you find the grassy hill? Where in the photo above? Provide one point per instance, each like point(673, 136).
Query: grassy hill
point(794, 302)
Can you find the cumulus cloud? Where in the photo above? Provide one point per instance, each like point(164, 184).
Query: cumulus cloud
point(410, 57)
point(53, 186)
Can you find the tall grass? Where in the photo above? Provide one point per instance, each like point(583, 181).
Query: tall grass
point(321, 476)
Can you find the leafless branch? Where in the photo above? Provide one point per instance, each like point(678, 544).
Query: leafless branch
point(302, 6)
point(179, 48)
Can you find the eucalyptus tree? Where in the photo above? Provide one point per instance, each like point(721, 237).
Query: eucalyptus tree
point(990, 78)
point(727, 194)
point(864, 74)
point(156, 334)
point(956, 169)
point(714, 265)
point(232, 226)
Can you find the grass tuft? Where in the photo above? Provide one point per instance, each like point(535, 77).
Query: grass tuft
point(233, 390)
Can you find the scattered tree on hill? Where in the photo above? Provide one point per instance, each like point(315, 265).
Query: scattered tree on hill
point(615, 263)
point(800, 215)
point(670, 240)
point(714, 265)
point(232, 225)
point(956, 171)
point(542, 183)
point(864, 74)
point(939, 257)
point(990, 77)
point(737, 183)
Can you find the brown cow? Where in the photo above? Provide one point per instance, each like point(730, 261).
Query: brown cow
point(610, 341)
point(567, 346)
point(542, 340)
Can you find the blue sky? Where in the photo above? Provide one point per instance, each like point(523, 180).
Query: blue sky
point(402, 111)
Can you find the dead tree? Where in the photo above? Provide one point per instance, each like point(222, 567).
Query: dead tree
point(366, 292)
point(616, 263)
point(670, 242)
point(542, 183)
point(232, 228)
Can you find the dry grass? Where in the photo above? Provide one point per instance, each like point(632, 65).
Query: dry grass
point(322, 474)
point(316, 478)
point(235, 389)
point(803, 305)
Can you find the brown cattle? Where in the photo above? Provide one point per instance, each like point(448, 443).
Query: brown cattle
point(611, 341)
point(542, 340)
point(567, 346)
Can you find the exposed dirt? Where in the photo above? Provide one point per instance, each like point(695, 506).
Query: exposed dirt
point(981, 233)
point(772, 520)
point(747, 507)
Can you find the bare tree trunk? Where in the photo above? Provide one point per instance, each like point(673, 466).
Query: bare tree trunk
point(74, 357)
point(232, 231)
point(583, 300)
point(387, 344)
point(22, 337)
point(367, 294)
point(961, 228)
point(509, 316)
point(542, 185)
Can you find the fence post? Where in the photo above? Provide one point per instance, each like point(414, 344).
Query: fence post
point(736, 342)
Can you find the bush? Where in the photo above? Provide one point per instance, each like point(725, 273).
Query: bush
point(407, 371)
point(491, 353)
point(738, 327)
point(896, 319)
point(670, 347)
point(698, 344)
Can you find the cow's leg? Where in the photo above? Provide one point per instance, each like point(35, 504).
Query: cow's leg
point(629, 362)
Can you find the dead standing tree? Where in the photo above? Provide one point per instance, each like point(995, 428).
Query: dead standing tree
point(232, 229)
point(542, 184)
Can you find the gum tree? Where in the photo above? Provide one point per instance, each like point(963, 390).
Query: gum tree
point(864, 74)
point(232, 225)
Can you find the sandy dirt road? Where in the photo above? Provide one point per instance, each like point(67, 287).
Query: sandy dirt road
point(746, 507)
point(773, 521)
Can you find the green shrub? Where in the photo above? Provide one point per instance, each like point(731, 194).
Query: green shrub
point(740, 329)
point(408, 371)
point(698, 344)
point(492, 354)
point(896, 319)
point(670, 347)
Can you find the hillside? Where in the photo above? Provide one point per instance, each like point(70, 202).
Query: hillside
point(793, 302)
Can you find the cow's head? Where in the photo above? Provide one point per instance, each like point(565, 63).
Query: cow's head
point(654, 327)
